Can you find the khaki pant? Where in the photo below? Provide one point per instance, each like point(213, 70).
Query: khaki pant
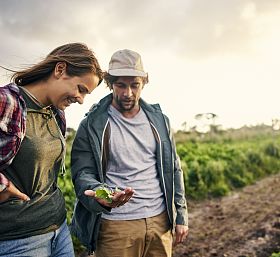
point(149, 237)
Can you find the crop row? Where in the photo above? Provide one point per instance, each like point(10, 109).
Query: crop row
point(215, 168)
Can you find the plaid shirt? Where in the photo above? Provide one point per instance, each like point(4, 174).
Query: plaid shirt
point(13, 123)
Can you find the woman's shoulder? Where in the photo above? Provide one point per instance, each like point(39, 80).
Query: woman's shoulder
point(12, 122)
point(11, 103)
point(9, 92)
point(10, 97)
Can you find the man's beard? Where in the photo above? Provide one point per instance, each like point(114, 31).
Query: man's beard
point(123, 107)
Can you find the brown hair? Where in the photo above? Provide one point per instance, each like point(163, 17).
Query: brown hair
point(110, 79)
point(79, 58)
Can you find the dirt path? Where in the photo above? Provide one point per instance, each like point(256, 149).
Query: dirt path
point(244, 224)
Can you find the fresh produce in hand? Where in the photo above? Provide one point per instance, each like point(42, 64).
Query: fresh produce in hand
point(106, 193)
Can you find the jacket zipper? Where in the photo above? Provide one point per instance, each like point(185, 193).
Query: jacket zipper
point(102, 147)
point(161, 164)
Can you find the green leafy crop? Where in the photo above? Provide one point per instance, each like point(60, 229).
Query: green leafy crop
point(106, 193)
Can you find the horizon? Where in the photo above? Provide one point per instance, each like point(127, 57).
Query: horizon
point(202, 57)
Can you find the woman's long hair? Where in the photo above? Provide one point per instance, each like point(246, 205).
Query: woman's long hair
point(79, 58)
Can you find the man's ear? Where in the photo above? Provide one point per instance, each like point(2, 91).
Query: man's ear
point(145, 79)
point(59, 69)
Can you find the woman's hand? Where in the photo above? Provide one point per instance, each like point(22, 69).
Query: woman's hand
point(119, 198)
point(12, 191)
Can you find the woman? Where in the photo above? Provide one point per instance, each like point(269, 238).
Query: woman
point(32, 147)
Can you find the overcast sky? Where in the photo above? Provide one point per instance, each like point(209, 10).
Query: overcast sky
point(218, 56)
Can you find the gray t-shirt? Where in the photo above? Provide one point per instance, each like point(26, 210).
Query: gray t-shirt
point(132, 163)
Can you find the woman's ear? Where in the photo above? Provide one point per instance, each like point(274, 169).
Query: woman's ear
point(59, 69)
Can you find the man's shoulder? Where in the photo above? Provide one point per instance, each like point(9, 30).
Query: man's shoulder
point(101, 106)
point(149, 106)
point(156, 107)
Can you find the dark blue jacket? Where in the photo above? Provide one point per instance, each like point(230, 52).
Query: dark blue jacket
point(88, 165)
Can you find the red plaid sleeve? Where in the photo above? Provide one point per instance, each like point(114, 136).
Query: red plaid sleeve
point(12, 123)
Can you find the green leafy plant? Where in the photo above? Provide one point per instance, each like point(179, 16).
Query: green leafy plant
point(106, 193)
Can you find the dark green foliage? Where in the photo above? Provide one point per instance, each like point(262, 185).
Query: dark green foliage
point(65, 182)
point(272, 150)
point(66, 186)
point(215, 165)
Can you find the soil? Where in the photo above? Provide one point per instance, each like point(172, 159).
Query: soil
point(243, 224)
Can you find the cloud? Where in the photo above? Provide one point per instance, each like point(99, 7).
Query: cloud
point(188, 47)
point(191, 29)
point(221, 27)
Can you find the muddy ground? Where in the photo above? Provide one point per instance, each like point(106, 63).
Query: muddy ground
point(246, 223)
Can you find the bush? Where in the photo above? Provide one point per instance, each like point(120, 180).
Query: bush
point(272, 150)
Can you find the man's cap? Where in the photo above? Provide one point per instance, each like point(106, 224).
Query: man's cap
point(126, 63)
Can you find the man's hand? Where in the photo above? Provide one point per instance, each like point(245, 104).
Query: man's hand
point(119, 198)
point(12, 191)
point(181, 232)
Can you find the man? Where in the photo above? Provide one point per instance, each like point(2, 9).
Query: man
point(127, 143)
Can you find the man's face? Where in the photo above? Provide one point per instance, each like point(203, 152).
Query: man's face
point(126, 93)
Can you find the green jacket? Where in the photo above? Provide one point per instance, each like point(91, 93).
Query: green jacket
point(88, 166)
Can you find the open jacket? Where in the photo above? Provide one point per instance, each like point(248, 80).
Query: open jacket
point(88, 164)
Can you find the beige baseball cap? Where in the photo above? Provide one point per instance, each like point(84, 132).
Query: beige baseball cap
point(126, 63)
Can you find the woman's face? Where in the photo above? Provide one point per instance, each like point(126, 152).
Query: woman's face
point(68, 90)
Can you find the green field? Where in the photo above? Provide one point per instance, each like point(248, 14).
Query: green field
point(215, 164)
